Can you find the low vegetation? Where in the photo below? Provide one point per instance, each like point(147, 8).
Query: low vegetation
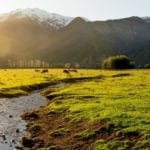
point(118, 62)
point(147, 66)
point(111, 112)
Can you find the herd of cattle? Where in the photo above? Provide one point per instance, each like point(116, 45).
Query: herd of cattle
point(66, 71)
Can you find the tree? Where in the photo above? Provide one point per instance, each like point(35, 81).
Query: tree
point(117, 62)
point(67, 66)
point(147, 66)
point(77, 65)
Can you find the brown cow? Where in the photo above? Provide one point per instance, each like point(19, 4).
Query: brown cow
point(44, 71)
point(36, 70)
point(66, 71)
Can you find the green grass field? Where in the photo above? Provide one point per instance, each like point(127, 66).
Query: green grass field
point(97, 110)
point(111, 112)
point(15, 82)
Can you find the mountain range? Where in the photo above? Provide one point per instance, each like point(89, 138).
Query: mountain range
point(34, 35)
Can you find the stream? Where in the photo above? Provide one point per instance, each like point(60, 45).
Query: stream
point(12, 127)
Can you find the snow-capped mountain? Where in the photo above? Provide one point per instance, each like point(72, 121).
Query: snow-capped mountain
point(54, 20)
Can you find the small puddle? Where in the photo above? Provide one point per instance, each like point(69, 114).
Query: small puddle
point(12, 127)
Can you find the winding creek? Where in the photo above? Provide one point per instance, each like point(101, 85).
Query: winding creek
point(12, 127)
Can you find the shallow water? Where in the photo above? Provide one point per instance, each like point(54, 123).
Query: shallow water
point(12, 127)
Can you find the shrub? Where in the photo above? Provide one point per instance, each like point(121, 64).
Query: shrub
point(117, 62)
point(67, 66)
point(147, 66)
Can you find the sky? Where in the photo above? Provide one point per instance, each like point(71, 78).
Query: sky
point(91, 9)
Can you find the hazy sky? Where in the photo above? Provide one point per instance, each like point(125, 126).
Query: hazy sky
point(92, 9)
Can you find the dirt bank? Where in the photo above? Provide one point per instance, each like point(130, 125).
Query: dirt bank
point(11, 124)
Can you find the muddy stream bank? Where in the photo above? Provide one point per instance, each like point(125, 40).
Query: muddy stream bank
point(12, 127)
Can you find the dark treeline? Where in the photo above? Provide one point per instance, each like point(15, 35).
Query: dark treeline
point(115, 62)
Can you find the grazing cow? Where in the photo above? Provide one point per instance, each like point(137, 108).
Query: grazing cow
point(44, 71)
point(36, 70)
point(66, 71)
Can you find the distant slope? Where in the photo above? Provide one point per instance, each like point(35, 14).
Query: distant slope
point(35, 34)
point(90, 42)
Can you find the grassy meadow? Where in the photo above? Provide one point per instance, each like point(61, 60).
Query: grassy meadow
point(100, 110)
point(14, 82)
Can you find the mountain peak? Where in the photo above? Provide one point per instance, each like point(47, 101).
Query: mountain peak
point(79, 21)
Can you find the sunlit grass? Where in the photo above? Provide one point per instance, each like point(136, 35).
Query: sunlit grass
point(12, 81)
point(123, 101)
point(121, 98)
